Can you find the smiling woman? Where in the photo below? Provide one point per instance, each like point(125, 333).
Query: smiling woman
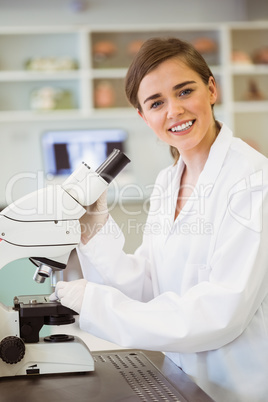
point(158, 53)
point(178, 108)
point(196, 288)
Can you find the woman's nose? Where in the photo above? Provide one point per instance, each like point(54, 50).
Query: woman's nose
point(175, 108)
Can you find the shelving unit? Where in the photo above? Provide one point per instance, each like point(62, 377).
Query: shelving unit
point(99, 74)
point(249, 84)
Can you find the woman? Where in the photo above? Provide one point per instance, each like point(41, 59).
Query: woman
point(197, 286)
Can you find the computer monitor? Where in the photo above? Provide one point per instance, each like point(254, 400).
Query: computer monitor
point(65, 150)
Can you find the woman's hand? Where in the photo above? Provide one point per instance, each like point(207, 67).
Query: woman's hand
point(70, 294)
point(94, 219)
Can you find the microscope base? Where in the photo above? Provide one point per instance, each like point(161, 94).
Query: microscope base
point(47, 357)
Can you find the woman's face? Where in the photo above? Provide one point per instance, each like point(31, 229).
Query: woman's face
point(176, 105)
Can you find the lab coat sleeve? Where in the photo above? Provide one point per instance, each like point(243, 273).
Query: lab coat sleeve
point(210, 314)
point(103, 261)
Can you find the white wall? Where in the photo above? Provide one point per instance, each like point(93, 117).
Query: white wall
point(257, 9)
point(49, 12)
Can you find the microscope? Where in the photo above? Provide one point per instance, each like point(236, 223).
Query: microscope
point(44, 227)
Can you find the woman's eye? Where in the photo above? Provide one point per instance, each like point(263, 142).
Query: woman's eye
point(186, 92)
point(156, 104)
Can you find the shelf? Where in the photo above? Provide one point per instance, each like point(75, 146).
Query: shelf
point(250, 88)
point(252, 69)
point(250, 107)
point(79, 43)
point(22, 128)
point(10, 76)
point(7, 116)
point(112, 49)
point(109, 73)
point(63, 115)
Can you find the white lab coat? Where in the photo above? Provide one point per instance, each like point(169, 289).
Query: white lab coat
point(197, 288)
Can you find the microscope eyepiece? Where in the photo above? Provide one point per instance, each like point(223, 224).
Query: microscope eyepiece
point(86, 185)
point(113, 165)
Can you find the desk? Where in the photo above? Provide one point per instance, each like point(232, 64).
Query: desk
point(120, 375)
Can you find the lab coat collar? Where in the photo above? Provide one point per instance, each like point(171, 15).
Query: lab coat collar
point(207, 178)
point(214, 163)
point(216, 157)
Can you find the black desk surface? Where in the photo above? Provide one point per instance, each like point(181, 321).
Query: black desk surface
point(120, 375)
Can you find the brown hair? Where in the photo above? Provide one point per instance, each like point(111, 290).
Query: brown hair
point(152, 53)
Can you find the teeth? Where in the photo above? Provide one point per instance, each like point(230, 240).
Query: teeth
point(182, 127)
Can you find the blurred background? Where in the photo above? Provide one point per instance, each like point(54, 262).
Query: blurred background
point(62, 69)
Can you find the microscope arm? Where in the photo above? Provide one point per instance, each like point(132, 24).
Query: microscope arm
point(44, 225)
point(36, 230)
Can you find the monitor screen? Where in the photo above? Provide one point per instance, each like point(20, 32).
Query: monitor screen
point(65, 150)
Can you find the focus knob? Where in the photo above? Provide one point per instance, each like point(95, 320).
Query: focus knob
point(12, 349)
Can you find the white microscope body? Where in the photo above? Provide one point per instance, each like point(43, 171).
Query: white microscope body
point(44, 226)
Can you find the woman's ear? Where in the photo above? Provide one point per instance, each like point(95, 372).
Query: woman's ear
point(213, 90)
point(142, 116)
